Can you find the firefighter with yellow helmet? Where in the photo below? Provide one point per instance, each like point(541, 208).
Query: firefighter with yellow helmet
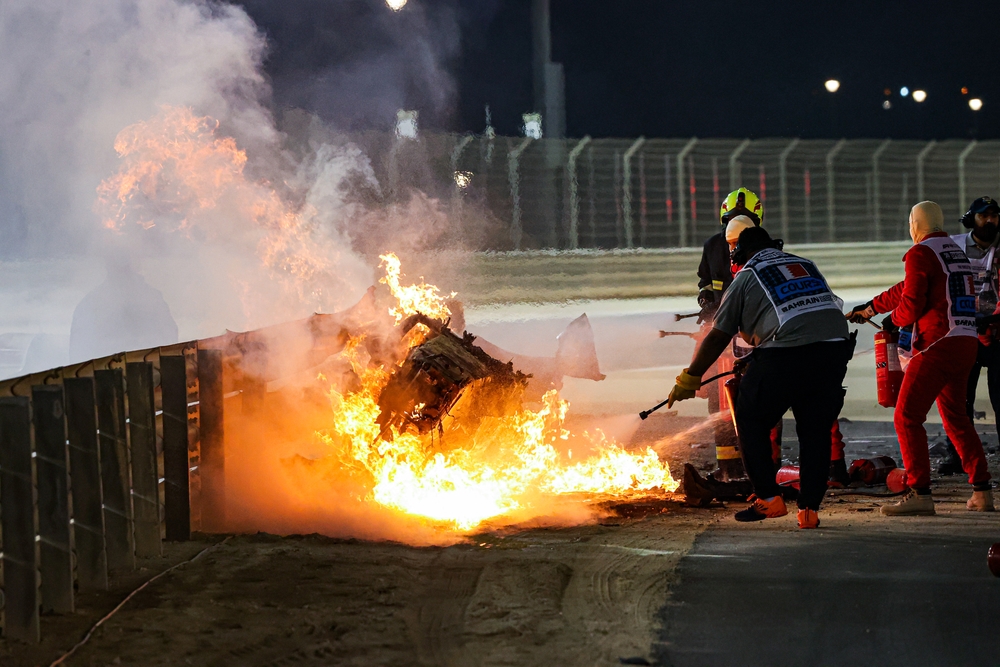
point(715, 274)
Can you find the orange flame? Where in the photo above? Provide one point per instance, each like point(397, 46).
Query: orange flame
point(177, 175)
point(506, 466)
point(413, 299)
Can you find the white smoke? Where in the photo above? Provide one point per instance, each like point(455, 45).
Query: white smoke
point(74, 75)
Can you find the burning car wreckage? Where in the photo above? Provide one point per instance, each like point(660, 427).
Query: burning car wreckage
point(439, 425)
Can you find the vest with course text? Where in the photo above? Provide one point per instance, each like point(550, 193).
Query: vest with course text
point(792, 284)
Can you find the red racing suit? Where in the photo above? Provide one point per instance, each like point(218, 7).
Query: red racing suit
point(937, 297)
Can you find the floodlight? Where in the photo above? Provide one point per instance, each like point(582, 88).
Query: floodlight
point(406, 124)
point(532, 125)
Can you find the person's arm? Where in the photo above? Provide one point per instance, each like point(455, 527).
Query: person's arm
point(888, 301)
point(711, 348)
point(706, 295)
point(727, 325)
point(704, 270)
point(913, 299)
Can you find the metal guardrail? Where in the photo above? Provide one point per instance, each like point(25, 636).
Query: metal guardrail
point(666, 193)
point(82, 478)
point(101, 461)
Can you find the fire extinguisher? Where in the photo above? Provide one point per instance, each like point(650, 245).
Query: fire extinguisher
point(888, 371)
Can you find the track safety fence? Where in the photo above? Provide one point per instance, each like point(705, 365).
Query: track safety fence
point(666, 193)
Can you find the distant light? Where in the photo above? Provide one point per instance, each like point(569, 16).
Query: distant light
point(887, 105)
point(396, 5)
point(904, 91)
point(919, 95)
point(832, 85)
point(975, 104)
point(463, 179)
point(887, 92)
point(965, 91)
point(406, 124)
point(532, 125)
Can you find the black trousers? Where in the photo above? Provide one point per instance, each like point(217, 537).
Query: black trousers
point(987, 357)
point(808, 380)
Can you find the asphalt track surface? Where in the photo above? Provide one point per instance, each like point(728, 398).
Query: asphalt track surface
point(916, 592)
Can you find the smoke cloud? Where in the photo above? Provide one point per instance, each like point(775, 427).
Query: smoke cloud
point(77, 74)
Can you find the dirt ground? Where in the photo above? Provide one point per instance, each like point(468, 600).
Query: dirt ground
point(579, 596)
point(587, 595)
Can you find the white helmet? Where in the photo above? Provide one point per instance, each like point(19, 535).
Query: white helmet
point(736, 226)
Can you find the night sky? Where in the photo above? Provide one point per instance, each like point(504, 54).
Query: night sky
point(645, 67)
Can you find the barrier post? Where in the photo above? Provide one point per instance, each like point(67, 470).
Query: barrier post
point(177, 509)
point(142, 441)
point(85, 468)
point(19, 516)
point(55, 542)
point(115, 483)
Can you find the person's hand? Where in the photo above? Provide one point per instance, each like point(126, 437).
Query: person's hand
point(888, 326)
point(685, 387)
point(706, 298)
point(862, 313)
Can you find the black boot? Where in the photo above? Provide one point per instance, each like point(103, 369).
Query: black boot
point(701, 491)
point(952, 464)
point(839, 478)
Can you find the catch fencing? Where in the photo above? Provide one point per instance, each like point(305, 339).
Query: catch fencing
point(666, 193)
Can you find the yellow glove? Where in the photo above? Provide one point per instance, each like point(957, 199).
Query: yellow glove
point(685, 388)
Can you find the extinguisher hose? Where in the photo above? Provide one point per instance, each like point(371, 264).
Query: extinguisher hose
point(646, 413)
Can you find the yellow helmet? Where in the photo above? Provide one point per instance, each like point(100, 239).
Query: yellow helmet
point(741, 202)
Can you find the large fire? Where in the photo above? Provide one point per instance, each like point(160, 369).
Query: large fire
point(178, 175)
point(462, 478)
point(515, 463)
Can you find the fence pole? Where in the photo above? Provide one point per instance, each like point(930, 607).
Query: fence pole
point(145, 477)
point(734, 177)
point(456, 154)
point(961, 175)
point(876, 198)
point(213, 454)
point(681, 156)
point(85, 467)
point(114, 469)
point(627, 188)
point(177, 503)
point(19, 516)
point(831, 215)
point(574, 192)
point(55, 541)
point(513, 160)
point(921, 158)
point(783, 182)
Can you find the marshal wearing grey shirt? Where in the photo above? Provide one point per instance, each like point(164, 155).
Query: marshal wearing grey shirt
point(747, 311)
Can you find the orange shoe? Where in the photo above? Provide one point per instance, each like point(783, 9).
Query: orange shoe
point(763, 508)
point(808, 519)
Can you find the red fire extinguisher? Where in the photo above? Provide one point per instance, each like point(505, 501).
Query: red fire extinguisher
point(888, 371)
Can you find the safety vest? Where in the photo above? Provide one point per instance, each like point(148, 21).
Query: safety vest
point(961, 288)
point(984, 273)
point(792, 284)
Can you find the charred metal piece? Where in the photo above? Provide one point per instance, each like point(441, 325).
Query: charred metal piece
point(436, 374)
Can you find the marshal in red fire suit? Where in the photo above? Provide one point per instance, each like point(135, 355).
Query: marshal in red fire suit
point(944, 351)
